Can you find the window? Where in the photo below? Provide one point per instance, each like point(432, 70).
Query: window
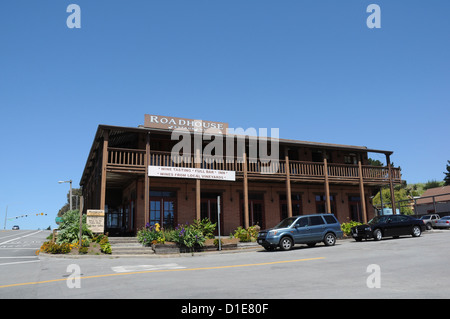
point(316, 220)
point(321, 204)
point(302, 222)
point(162, 208)
point(330, 219)
point(296, 205)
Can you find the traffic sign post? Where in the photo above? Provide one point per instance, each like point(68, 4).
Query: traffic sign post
point(218, 220)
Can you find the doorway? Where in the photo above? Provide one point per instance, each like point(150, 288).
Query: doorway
point(163, 208)
point(208, 209)
point(354, 204)
point(255, 210)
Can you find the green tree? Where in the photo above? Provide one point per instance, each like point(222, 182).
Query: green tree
point(400, 194)
point(76, 193)
point(447, 175)
point(432, 184)
point(375, 162)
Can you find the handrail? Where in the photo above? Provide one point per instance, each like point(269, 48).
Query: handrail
point(136, 157)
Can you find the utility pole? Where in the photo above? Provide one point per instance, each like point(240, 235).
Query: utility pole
point(6, 215)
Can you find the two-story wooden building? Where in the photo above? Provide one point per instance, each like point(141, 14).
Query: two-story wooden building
point(133, 174)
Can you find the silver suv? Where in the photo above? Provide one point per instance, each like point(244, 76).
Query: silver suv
point(305, 229)
point(430, 220)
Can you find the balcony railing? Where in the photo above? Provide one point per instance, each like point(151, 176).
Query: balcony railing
point(134, 160)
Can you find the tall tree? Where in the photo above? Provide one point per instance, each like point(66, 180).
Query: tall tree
point(447, 175)
point(432, 184)
point(76, 193)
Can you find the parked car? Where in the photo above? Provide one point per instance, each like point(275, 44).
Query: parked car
point(15, 227)
point(444, 222)
point(429, 220)
point(387, 226)
point(305, 229)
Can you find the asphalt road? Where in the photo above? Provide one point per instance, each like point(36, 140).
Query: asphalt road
point(19, 246)
point(392, 268)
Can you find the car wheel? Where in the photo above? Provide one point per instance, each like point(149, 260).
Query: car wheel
point(329, 239)
point(286, 243)
point(269, 248)
point(377, 235)
point(416, 232)
point(429, 227)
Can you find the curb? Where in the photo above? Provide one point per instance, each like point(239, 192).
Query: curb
point(242, 247)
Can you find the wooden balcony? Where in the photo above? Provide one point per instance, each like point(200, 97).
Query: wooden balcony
point(133, 161)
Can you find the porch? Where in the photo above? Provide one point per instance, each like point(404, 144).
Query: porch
point(122, 160)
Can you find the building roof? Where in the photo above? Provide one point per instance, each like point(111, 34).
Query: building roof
point(435, 192)
point(281, 141)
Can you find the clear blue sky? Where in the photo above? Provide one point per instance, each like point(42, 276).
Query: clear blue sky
point(311, 68)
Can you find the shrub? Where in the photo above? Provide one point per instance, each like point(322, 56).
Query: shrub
point(205, 226)
point(191, 237)
point(246, 235)
point(105, 246)
point(346, 227)
point(83, 250)
point(54, 248)
point(151, 234)
point(69, 228)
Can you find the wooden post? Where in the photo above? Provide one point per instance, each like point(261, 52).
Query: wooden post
point(246, 215)
point(391, 186)
point(197, 187)
point(81, 223)
point(104, 163)
point(327, 186)
point(147, 182)
point(361, 191)
point(288, 184)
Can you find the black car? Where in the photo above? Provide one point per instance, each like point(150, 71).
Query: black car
point(387, 226)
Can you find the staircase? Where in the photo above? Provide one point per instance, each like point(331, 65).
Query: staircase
point(128, 246)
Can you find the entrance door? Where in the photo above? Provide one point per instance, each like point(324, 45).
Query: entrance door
point(255, 210)
point(354, 204)
point(296, 200)
point(163, 208)
point(208, 209)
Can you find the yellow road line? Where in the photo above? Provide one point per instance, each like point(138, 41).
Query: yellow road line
point(161, 270)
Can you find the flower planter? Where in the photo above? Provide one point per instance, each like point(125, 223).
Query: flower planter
point(167, 248)
point(173, 248)
point(227, 243)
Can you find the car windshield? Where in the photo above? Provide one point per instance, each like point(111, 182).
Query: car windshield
point(286, 222)
point(425, 217)
point(378, 219)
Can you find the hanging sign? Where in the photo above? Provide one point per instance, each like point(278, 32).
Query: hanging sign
point(195, 173)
